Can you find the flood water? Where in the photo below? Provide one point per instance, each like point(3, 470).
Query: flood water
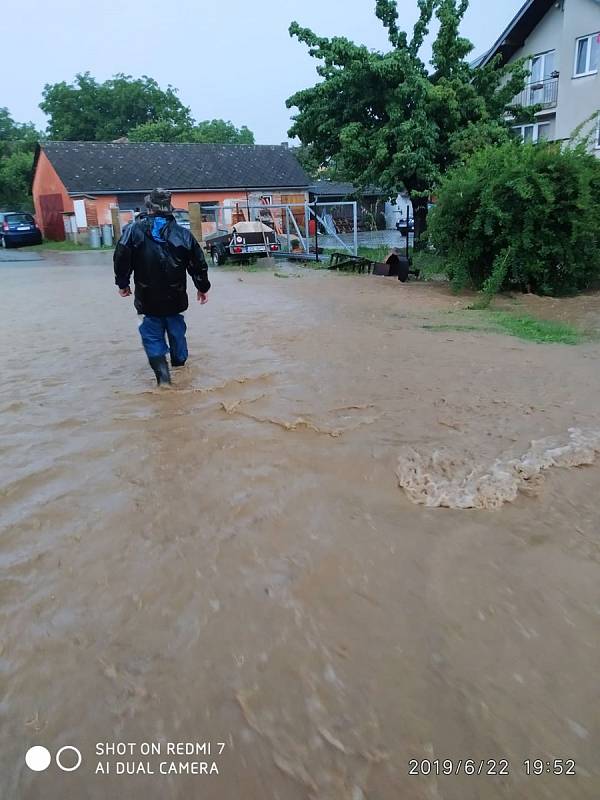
point(233, 561)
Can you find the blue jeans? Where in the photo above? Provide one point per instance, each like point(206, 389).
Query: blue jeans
point(153, 330)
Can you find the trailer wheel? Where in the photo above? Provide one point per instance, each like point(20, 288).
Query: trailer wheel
point(403, 269)
point(218, 256)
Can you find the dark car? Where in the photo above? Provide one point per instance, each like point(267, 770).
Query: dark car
point(403, 227)
point(18, 228)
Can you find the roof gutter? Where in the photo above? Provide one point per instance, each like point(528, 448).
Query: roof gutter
point(103, 192)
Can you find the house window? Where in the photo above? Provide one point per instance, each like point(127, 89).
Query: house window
point(538, 132)
point(542, 88)
point(587, 55)
point(542, 66)
point(209, 211)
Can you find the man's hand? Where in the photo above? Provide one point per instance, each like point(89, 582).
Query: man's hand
point(202, 298)
point(125, 292)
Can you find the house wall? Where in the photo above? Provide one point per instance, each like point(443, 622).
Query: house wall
point(228, 200)
point(546, 36)
point(181, 199)
point(103, 206)
point(393, 211)
point(97, 209)
point(578, 98)
point(46, 182)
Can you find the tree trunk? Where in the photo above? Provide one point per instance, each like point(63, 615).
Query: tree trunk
point(420, 210)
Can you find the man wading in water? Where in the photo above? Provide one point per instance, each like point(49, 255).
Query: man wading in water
point(159, 251)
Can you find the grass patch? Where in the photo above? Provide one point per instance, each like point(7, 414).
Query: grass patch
point(430, 264)
point(542, 331)
point(375, 253)
point(372, 253)
point(522, 326)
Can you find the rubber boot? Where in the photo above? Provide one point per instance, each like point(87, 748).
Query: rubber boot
point(175, 363)
point(161, 369)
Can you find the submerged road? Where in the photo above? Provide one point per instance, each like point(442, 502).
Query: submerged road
point(230, 568)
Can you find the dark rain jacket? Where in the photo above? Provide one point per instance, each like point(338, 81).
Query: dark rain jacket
point(159, 266)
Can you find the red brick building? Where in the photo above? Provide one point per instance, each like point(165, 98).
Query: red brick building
point(87, 179)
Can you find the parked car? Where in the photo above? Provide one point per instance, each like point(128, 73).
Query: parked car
point(182, 217)
point(403, 227)
point(18, 228)
point(245, 240)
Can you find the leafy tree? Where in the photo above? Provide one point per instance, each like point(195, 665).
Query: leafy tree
point(90, 111)
point(391, 121)
point(215, 131)
point(332, 170)
point(308, 161)
point(161, 131)
point(17, 145)
point(220, 132)
point(134, 107)
point(533, 215)
point(16, 134)
point(15, 177)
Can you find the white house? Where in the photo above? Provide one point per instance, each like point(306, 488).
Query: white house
point(561, 40)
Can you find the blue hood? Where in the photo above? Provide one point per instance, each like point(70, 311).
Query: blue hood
point(157, 229)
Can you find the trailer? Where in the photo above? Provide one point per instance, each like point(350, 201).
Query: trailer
point(242, 241)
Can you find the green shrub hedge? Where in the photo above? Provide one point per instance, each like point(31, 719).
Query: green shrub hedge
point(521, 216)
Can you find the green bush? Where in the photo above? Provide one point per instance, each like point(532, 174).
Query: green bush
point(521, 216)
point(15, 175)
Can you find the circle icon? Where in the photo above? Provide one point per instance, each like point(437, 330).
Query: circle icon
point(62, 750)
point(38, 758)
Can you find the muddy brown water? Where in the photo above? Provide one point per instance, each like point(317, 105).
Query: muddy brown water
point(233, 561)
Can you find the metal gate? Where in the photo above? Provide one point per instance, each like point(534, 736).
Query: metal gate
point(303, 230)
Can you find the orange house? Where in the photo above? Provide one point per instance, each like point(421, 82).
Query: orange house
point(87, 179)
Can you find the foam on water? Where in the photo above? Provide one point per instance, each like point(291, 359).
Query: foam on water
point(459, 480)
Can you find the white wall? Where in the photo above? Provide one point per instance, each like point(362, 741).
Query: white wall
point(577, 97)
point(391, 211)
point(559, 30)
point(546, 36)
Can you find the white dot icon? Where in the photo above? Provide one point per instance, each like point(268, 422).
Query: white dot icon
point(38, 758)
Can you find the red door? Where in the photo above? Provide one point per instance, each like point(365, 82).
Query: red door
point(51, 207)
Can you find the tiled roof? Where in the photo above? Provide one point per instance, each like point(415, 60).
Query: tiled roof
point(110, 167)
point(519, 28)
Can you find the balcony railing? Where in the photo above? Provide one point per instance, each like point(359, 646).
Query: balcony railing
point(542, 93)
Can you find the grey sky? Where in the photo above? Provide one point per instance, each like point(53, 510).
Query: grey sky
point(233, 59)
